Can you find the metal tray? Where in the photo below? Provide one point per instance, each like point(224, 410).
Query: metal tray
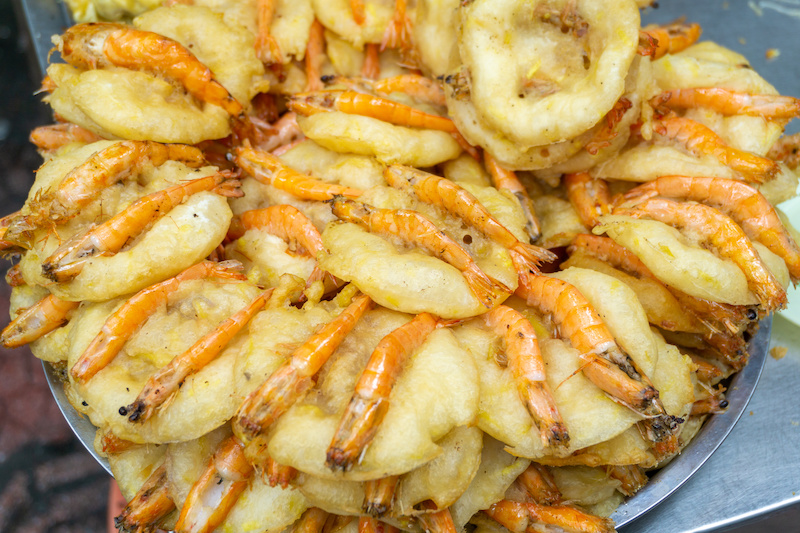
point(44, 18)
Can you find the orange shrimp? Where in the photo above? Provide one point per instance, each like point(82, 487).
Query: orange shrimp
point(370, 401)
point(658, 41)
point(357, 7)
point(54, 136)
point(728, 102)
point(314, 52)
point(267, 49)
point(540, 485)
point(105, 44)
point(149, 507)
point(632, 477)
point(162, 386)
point(287, 384)
point(608, 132)
point(605, 363)
point(743, 203)
point(371, 69)
point(125, 321)
point(215, 493)
point(527, 367)
point(413, 228)
point(701, 140)
point(38, 320)
point(82, 184)
point(270, 170)
point(356, 103)
point(440, 521)
point(462, 204)
point(14, 276)
point(368, 524)
point(284, 221)
point(420, 87)
point(724, 235)
point(311, 521)
point(589, 196)
point(379, 495)
point(524, 516)
point(111, 236)
point(504, 179)
point(715, 316)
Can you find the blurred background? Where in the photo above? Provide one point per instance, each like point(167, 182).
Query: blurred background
point(48, 482)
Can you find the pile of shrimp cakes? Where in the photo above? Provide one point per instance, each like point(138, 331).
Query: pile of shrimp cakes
point(367, 265)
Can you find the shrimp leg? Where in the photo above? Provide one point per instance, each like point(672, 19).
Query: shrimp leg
point(267, 48)
point(110, 237)
point(270, 170)
point(462, 204)
point(126, 320)
point(287, 384)
point(215, 493)
point(41, 318)
point(150, 505)
point(370, 400)
point(413, 228)
point(527, 367)
point(162, 386)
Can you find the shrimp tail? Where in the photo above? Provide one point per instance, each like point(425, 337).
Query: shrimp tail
point(150, 505)
point(532, 256)
point(483, 286)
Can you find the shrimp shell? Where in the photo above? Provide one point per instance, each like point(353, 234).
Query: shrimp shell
point(462, 204)
point(414, 228)
point(105, 44)
point(725, 235)
point(125, 321)
point(740, 201)
point(287, 384)
point(41, 318)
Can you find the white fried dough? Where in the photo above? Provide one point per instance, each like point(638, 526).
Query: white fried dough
point(227, 50)
point(207, 398)
point(498, 470)
point(503, 43)
point(436, 392)
point(676, 262)
point(620, 310)
point(389, 144)
point(590, 416)
point(126, 104)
